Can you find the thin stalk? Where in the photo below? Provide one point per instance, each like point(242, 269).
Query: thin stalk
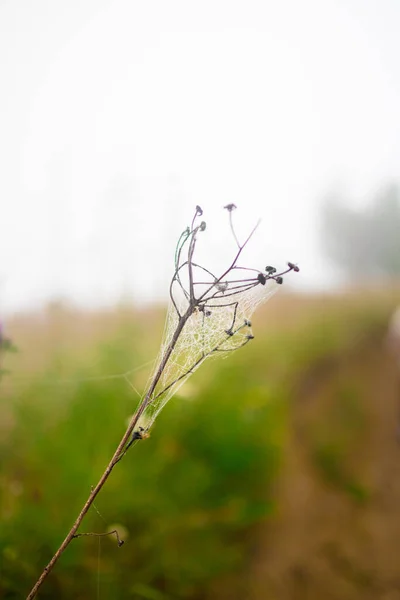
point(117, 454)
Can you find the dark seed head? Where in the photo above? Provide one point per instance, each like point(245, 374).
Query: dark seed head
point(294, 267)
point(270, 270)
point(279, 280)
point(230, 207)
point(199, 210)
point(203, 225)
point(261, 278)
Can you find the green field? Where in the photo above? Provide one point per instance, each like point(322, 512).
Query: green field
point(273, 474)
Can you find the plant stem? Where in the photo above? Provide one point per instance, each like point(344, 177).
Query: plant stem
point(117, 454)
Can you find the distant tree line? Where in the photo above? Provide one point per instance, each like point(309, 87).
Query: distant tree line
point(365, 243)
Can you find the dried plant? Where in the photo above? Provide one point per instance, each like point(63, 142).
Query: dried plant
point(209, 315)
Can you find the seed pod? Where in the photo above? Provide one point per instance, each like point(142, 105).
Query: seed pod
point(294, 267)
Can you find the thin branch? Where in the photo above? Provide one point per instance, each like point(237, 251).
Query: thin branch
point(235, 304)
point(230, 208)
point(113, 532)
point(240, 290)
point(186, 234)
point(181, 242)
point(171, 295)
point(190, 266)
point(228, 282)
point(246, 341)
point(236, 268)
point(232, 229)
point(204, 269)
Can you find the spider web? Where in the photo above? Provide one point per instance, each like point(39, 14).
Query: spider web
point(208, 316)
point(220, 325)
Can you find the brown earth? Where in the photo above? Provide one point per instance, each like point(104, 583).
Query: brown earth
point(336, 534)
point(330, 540)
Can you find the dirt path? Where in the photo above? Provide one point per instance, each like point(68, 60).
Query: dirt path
point(337, 534)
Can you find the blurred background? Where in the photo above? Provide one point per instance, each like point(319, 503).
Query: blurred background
point(274, 474)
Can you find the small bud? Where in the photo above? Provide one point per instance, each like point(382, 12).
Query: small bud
point(230, 207)
point(208, 313)
point(199, 210)
point(261, 278)
point(247, 323)
point(250, 337)
point(294, 267)
point(270, 270)
point(202, 226)
point(279, 280)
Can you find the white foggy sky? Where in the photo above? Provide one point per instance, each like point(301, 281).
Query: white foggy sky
point(117, 118)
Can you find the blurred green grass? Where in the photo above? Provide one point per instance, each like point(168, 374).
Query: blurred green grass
point(190, 498)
